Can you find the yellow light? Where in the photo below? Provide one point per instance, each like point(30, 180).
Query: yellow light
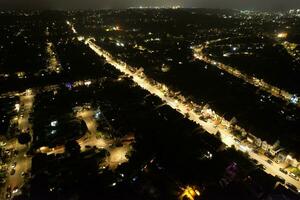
point(197, 192)
point(80, 38)
point(282, 35)
point(87, 83)
point(28, 92)
point(189, 193)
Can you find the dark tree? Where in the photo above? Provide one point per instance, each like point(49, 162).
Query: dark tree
point(72, 148)
point(24, 138)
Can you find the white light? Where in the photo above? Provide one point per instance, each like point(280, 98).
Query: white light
point(17, 107)
point(243, 148)
point(294, 99)
point(80, 38)
point(54, 123)
point(87, 83)
point(15, 190)
point(97, 115)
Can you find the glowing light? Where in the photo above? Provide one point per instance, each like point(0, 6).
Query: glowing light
point(17, 107)
point(54, 123)
point(190, 193)
point(80, 38)
point(87, 83)
point(28, 92)
point(294, 99)
point(282, 35)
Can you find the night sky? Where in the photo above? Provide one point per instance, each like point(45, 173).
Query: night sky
point(66, 4)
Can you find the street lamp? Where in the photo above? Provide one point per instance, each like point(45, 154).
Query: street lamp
point(190, 192)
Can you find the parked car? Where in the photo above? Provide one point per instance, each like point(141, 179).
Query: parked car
point(256, 151)
point(270, 162)
point(15, 190)
point(8, 189)
point(292, 187)
point(12, 171)
point(294, 176)
point(280, 179)
point(8, 195)
point(14, 164)
point(261, 167)
point(283, 170)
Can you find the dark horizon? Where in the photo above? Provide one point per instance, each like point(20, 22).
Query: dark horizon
point(272, 5)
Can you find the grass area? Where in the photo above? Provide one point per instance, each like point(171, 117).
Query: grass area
point(294, 170)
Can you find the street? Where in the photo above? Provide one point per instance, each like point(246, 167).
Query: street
point(261, 84)
point(23, 162)
point(185, 109)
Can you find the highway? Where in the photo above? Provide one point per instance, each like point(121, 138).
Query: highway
point(185, 108)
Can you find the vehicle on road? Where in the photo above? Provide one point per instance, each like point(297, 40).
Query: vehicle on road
point(8, 195)
point(12, 171)
point(237, 140)
point(261, 167)
point(280, 179)
point(270, 162)
point(255, 162)
point(292, 187)
point(14, 164)
point(256, 151)
point(294, 176)
point(283, 170)
point(268, 154)
point(25, 174)
point(15, 190)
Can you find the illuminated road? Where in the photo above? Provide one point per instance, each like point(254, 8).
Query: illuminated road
point(213, 125)
point(272, 169)
point(259, 83)
point(23, 162)
point(53, 63)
